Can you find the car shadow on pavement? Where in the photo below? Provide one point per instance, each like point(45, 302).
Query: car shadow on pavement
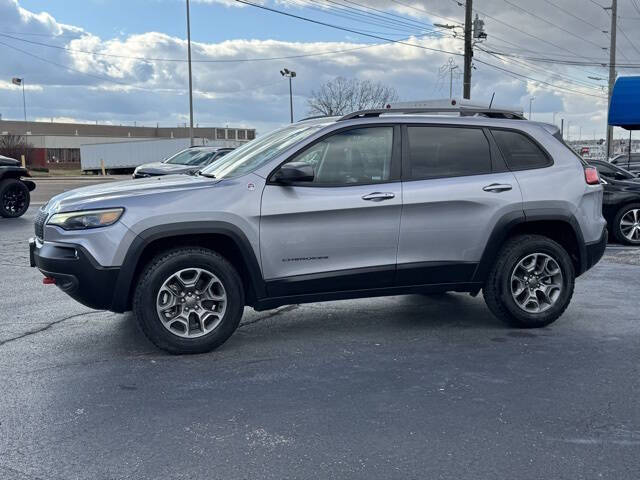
point(395, 316)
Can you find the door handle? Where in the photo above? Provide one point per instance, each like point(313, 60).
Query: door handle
point(378, 196)
point(497, 187)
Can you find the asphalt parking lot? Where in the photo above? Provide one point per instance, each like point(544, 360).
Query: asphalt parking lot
point(399, 387)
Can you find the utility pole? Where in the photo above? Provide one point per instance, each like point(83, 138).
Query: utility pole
point(468, 48)
point(190, 79)
point(531, 99)
point(612, 70)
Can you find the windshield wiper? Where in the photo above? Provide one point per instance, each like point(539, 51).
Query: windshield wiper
point(208, 175)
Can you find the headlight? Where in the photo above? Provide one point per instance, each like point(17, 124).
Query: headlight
point(86, 219)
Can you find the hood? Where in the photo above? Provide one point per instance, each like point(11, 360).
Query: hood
point(161, 168)
point(8, 162)
point(116, 194)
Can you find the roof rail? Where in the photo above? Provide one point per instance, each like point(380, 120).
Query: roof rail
point(315, 117)
point(463, 111)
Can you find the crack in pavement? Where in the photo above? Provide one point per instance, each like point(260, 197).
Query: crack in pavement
point(47, 326)
point(277, 312)
point(20, 472)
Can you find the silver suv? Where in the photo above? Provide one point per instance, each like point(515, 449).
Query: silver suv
point(375, 203)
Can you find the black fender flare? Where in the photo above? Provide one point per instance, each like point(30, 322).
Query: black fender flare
point(122, 291)
point(505, 226)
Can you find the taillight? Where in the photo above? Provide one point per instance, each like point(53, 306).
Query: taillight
point(591, 176)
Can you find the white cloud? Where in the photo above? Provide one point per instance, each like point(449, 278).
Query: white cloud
point(118, 89)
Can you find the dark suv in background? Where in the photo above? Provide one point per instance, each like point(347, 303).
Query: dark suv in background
point(628, 162)
point(621, 201)
point(189, 160)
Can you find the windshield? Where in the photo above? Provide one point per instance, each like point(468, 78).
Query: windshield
point(190, 156)
point(259, 151)
point(609, 170)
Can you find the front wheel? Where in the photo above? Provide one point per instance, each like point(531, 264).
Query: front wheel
point(626, 228)
point(14, 198)
point(189, 300)
point(531, 283)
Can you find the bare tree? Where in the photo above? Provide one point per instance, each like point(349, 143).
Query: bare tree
point(14, 146)
point(343, 95)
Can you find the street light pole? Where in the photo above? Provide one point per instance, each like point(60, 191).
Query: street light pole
point(612, 70)
point(20, 82)
point(285, 72)
point(24, 102)
point(531, 99)
point(190, 79)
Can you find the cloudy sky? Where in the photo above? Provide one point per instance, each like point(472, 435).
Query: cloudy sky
point(116, 61)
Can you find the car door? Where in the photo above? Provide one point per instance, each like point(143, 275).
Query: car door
point(340, 230)
point(454, 195)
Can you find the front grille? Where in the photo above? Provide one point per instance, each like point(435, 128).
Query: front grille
point(41, 217)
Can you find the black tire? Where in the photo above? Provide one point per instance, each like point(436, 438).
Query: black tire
point(617, 230)
point(161, 268)
point(497, 288)
point(14, 198)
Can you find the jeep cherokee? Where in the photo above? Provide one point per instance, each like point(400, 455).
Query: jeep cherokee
point(380, 202)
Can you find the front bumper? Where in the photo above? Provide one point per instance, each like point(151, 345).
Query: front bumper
point(76, 272)
point(595, 250)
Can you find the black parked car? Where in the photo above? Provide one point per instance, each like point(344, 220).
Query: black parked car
point(630, 163)
point(621, 204)
point(189, 160)
point(14, 190)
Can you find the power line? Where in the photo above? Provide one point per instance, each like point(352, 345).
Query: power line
point(348, 14)
point(180, 60)
point(365, 12)
point(524, 32)
point(154, 90)
point(635, 5)
point(624, 34)
point(544, 82)
point(550, 23)
point(560, 61)
point(299, 17)
point(350, 30)
point(561, 76)
point(412, 7)
point(568, 12)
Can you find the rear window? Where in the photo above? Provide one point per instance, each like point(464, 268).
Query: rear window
point(436, 152)
point(519, 151)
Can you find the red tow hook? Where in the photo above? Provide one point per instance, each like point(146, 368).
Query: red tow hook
point(49, 281)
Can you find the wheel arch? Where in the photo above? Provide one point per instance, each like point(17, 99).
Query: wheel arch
point(557, 225)
point(226, 239)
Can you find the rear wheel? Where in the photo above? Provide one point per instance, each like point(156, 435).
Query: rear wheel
point(14, 198)
point(626, 228)
point(189, 300)
point(531, 283)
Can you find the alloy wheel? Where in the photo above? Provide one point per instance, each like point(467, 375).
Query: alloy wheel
point(630, 225)
point(536, 283)
point(14, 199)
point(191, 302)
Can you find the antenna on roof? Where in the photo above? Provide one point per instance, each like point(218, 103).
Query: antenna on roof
point(491, 102)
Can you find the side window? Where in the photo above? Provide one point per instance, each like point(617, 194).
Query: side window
point(436, 152)
point(361, 155)
point(605, 170)
point(519, 151)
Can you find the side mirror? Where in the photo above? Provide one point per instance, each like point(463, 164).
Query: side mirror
point(294, 172)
